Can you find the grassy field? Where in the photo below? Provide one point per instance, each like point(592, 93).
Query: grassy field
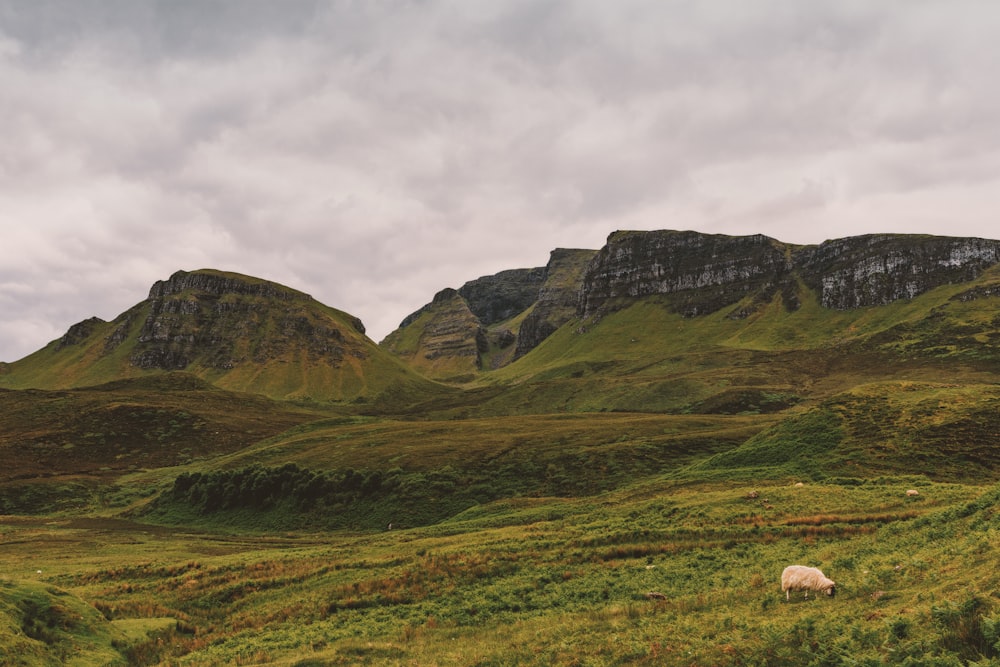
point(544, 581)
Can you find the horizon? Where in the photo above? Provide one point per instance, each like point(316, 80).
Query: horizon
point(381, 336)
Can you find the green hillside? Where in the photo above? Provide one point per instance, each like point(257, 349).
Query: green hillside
point(67, 449)
point(236, 332)
point(645, 357)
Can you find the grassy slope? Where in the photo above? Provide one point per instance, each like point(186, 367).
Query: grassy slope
point(41, 624)
point(68, 448)
point(283, 367)
point(648, 359)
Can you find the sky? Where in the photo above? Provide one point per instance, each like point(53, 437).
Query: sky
point(373, 152)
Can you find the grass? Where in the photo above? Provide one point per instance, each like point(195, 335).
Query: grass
point(552, 581)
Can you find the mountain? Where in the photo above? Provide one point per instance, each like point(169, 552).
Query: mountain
point(234, 331)
point(694, 274)
point(491, 321)
point(701, 273)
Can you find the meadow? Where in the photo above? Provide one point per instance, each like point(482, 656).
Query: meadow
point(545, 581)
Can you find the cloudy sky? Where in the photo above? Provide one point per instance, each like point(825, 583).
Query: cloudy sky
point(371, 153)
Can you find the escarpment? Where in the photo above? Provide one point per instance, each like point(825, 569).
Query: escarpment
point(223, 321)
point(501, 296)
point(557, 299)
point(878, 269)
point(492, 320)
point(444, 339)
point(700, 272)
point(695, 274)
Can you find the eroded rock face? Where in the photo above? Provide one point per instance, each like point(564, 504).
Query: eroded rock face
point(557, 299)
point(454, 330)
point(469, 320)
point(878, 269)
point(449, 338)
point(218, 285)
point(704, 272)
point(79, 332)
point(223, 321)
point(501, 296)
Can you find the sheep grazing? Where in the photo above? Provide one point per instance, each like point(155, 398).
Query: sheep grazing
point(910, 493)
point(802, 578)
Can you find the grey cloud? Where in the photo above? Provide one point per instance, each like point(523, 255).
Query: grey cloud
point(371, 153)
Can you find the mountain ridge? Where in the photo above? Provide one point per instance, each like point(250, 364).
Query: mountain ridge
point(248, 334)
point(696, 274)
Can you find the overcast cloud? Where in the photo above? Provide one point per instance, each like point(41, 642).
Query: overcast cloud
point(373, 153)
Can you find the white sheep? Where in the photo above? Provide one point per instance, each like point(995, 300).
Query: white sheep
point(910, 493)
point(802, 578)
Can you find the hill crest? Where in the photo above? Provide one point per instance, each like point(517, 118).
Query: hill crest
point(238, 332)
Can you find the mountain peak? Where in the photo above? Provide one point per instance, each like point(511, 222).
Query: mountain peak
point(219, 283)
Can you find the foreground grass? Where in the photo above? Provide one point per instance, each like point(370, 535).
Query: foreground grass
point(548, 581)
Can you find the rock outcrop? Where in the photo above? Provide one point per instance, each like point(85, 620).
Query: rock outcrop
point(501, 296)
point(225, 320)
point(443, 340)
point(490, 321)
point(557, 299)
point(79, 332)
point(702, 272)
point(878, 269)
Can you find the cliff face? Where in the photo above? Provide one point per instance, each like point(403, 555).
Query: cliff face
point(501, 296)
point(443, 340)
point(557, 299)
point(490, 321)
point(702, 272)
point(223, 321)
point(878, 269)
point(448, 338)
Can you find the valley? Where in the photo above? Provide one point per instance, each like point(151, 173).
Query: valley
point(231, 473)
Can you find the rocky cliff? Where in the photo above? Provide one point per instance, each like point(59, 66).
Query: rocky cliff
point(240, 332)
point(877, 269)
point(695, 274)
point(557, 300)
point(490, 321)
point(701, 273)
point(501, 296)
point(223, 321)
point(444, 339)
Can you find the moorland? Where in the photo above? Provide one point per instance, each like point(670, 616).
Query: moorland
point(265, 485)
